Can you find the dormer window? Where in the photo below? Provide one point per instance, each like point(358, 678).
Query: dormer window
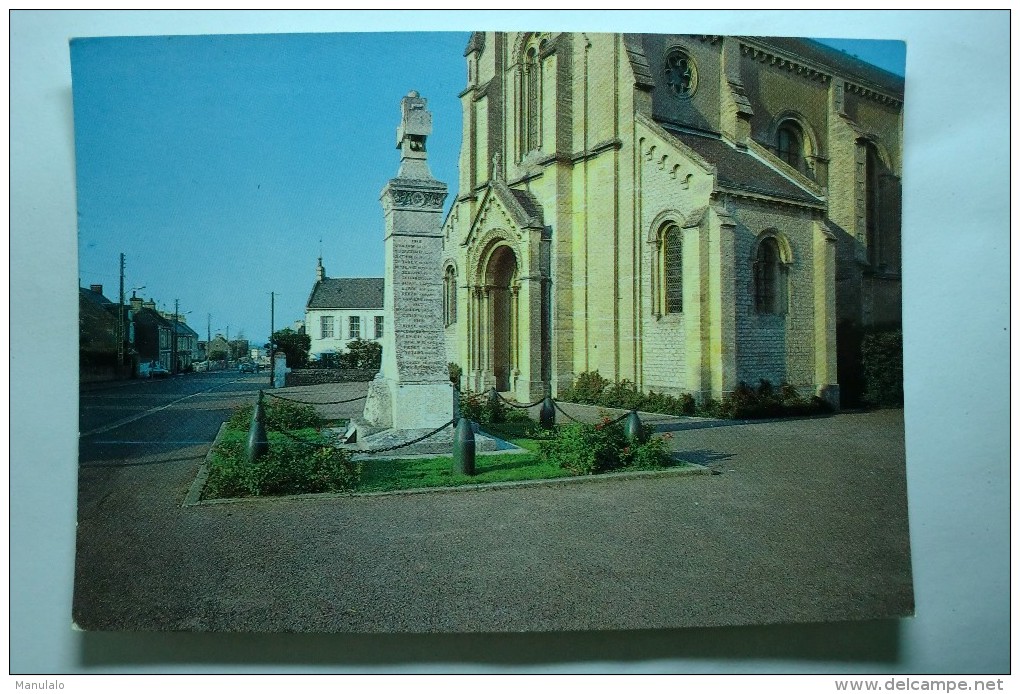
point(793, 146)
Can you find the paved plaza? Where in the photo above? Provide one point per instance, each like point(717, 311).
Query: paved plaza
point(806, 521)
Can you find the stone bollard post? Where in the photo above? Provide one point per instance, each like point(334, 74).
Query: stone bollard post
point(258, 443)
point(495, 407)
point(547, 415)
point(464, 448)
point(632, 427)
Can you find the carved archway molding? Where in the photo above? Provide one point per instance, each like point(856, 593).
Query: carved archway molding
point(482, 249)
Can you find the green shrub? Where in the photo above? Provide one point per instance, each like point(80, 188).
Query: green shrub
point(590, 449)
point(362, 354)
point(481, 408)
point(289, 467)
point(587, 389)
point(455, 373)
point(882, 366)
point(281, 415)
point(622, 394)
point(653, 453)
point(586, 449)
point(668, 404)
point(765, 402)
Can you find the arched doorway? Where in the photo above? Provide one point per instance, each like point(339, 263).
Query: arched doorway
point(500, 281)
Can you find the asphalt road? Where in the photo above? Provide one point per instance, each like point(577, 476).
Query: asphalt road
point(806, 522)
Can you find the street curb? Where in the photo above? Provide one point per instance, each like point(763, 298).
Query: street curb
point(693, 469)
point(194, 497)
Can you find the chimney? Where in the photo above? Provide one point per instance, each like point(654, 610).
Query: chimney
point(136, 304)
point(150, 304)
point(97, 288)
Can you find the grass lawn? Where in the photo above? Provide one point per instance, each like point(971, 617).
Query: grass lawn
point(396, 474)
point(232, 475)
point(389, 475)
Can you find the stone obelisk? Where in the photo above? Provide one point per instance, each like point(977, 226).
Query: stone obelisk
point(412, 390)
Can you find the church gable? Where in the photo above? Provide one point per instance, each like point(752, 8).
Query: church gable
point(505, 208)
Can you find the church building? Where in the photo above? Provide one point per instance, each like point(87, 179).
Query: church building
point(684, 212)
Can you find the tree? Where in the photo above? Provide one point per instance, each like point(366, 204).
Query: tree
point(362, 354)
point(294, 345)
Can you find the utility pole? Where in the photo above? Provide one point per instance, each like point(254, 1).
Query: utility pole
point(173, 339)
point(272, 344)
point(120, 320)
point(208, 341)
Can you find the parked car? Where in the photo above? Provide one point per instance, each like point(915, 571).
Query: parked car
point(158, 371)
point(246, 367)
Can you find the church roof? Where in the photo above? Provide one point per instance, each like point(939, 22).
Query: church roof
point(818, 55)
point(843, 63)
point(475, 43)
point(736, 168)
point(529, 206)
point(347, 292)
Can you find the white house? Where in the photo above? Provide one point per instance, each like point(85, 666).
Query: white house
point(342, 309)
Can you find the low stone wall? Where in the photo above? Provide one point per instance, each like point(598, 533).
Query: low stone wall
point(311, 377)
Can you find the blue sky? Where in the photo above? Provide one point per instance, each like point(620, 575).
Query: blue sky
point(216, 164)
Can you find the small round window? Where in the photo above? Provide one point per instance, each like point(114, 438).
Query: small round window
point(681, 75)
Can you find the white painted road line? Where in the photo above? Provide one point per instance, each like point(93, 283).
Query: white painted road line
point(154, 410)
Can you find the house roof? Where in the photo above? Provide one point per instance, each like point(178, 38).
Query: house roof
point(738, 169)
point(97, 326)
point(147, 315)
point(185, 329)
point(94, 297)
point(347, 292)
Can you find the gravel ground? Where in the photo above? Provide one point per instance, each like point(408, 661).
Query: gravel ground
point(806, 522)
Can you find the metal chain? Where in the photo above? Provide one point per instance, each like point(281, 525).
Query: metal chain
point(302, 402)
point(325, 442)
point(520, 407)
point(402, 445)
point(573, 419)
point(618, 419)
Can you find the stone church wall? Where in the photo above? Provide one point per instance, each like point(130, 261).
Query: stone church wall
point(776, 347)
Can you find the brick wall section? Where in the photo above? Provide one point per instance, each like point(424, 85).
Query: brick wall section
point(779, 348)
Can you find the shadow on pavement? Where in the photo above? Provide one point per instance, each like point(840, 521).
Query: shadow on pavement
point(593, 651)
point(703, 457)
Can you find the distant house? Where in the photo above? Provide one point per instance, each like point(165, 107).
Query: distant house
point(343, 309)
point(218, 348)
point(153, 333)
point(186, 349)
point(97, 335)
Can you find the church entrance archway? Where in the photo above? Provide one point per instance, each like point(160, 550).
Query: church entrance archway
point(500, 280)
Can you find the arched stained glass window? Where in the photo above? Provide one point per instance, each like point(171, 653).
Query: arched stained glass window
point(768, 278)
point(450, 296)
point(530, 101)
point(672, 270)
point(790, 145)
